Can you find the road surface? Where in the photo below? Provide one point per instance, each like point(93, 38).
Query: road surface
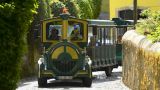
point(100, 82)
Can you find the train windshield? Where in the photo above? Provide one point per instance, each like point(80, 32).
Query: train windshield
point(75, 31)
point(53, 30)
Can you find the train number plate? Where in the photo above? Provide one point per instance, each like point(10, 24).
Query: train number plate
point(65, 77)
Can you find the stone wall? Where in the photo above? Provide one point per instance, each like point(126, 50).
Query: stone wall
point(141, 62)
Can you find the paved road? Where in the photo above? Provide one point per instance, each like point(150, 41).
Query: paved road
point(101, 82)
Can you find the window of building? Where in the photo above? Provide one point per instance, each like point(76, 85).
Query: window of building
point(127, 14)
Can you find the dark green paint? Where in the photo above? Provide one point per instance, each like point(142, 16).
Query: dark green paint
point(119, 53)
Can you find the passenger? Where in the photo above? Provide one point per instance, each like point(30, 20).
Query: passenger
point(93, 42)
point(119, 39)
point(75, 34)
point(54, 34)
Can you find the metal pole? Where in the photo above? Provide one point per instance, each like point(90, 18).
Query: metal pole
point(135, 11)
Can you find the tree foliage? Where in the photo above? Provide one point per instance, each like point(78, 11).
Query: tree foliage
point(85, 9)
point(57, 7)
point(33, 42)
point(44, 9)
point(73, 8)
point(15, 18)
point(150, 26)
point(96, 7)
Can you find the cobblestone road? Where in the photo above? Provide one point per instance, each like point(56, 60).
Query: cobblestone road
point(100, 82)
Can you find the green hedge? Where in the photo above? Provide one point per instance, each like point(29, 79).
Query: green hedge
point(15, 18)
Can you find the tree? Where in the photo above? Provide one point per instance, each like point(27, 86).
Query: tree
point(33, 42)
point(15, 18)
point(85, 9)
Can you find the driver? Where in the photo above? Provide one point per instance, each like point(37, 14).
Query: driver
point(54, 34)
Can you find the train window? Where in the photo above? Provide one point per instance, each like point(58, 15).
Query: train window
point(75, 30)
point(102, 36)
point(53, 30)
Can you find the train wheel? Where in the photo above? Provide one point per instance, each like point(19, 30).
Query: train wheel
point(87, 82)
point(108, 71)
point(42, 82)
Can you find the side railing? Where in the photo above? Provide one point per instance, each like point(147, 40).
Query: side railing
point(103, 41)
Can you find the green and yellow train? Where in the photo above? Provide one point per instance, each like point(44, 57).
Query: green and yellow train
point(73, 48)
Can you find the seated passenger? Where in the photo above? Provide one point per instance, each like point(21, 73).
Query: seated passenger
point(119, 39)
point(93, 42)
point(75, 34)
point(54, 34)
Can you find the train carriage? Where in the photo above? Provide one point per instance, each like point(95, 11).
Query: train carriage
point(102, 45)
point(73, 48)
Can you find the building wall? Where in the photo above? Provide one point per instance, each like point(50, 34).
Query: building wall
point(116, 5)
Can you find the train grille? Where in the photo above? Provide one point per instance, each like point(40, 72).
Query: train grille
point(65, 67)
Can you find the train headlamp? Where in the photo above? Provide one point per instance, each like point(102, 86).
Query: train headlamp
point(88, 60)
point(41, 60)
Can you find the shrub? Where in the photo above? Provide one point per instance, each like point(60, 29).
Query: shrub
point(15, 18)
point(150, 26)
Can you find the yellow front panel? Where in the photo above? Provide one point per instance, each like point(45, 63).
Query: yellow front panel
point(57, 52)
point(72, 52)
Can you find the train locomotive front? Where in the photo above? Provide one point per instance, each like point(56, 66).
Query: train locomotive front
point(65, 40)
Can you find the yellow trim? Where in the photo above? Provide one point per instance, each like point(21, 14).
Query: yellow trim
point(72, 52)
point(82, 72)
point(85, 28)
point(65, 29)
point(44, 39)
point(57, 52)
point(47, 73)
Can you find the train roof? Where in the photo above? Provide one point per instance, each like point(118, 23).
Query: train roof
point(100, 22)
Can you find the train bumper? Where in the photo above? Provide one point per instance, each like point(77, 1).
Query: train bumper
point(49, 74)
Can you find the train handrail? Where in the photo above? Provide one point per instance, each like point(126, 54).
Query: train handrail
point(92, 25)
